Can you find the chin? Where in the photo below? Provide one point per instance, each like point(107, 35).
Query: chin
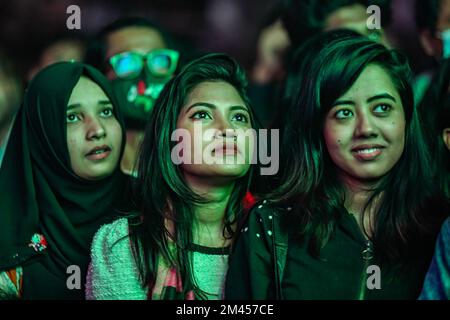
point(369, 170)
point(238, 170)
point(99, 174)
point(220, 171)
point(95, 177)
point(369, 175)
point(229, 174)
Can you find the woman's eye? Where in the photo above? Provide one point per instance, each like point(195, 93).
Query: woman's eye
point(382, 108)
point(201, 115)
point(107, 112)
point(343, 114)
point(240, 117)
point(72, 118)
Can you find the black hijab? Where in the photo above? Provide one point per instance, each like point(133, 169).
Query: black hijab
point(40, 193)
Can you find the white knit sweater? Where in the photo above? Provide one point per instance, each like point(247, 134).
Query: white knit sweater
point(113, 274)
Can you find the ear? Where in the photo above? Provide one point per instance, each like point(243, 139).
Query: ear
point(428, 43)
point(446, 137)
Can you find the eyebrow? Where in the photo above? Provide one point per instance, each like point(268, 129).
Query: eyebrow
point(214, 107)
point(382, 96)
point(371, 99)
point(77, 105)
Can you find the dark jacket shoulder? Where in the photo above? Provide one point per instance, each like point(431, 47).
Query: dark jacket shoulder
point(264, 212)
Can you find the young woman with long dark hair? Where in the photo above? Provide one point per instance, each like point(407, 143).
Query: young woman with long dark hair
point(177, 245)
point(435, 109)
point(347, 215)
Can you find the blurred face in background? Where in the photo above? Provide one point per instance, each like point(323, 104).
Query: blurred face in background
point(437, 44)
point(443, 28)
point(9, 98)
point(443, 22)
point(272, 44)
point(446, 131)
point(354, 17)
point(136, 75)
point(62, 50)
point(137, 39)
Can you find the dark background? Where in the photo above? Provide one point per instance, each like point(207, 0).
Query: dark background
point(27, 26)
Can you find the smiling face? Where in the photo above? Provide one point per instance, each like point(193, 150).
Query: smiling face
point(94, 135)
point(354, 17)
point(219, 111)
point(364, 131)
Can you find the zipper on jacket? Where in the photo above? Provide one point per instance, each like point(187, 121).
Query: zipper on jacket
point(367, 255)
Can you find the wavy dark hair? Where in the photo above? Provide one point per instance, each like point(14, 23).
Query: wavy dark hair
point(322, 70)
point(161, 182)
point(435, 111)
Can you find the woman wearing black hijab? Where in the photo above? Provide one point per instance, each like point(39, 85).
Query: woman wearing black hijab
point(60, 180)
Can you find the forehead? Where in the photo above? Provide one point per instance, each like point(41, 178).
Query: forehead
point(216, 92)
point(348, 16)
point(373, 80)
point(63, 51)
point(140, 39)
point(86, 89)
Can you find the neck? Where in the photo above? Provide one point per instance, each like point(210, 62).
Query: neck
point(357, 193)
point(209, 218)
point(130, 154)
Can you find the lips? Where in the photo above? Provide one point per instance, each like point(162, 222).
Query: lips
point(99, 152)
point(226, 149)
point(367, 152)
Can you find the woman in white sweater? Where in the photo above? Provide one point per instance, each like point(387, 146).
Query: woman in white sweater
point(193, 172)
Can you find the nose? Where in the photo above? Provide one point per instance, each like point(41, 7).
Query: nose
point(224, 129)
point(365, 126)
point(226, 134)
point(95, 129)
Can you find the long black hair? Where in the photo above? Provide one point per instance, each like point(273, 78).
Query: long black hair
point(322, 70)
point(160, 181)
point(435, 111)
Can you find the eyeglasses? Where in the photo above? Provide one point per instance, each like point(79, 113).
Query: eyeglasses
point(160, 63)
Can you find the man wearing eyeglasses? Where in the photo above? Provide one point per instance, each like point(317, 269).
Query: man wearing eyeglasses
point(134, 54)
